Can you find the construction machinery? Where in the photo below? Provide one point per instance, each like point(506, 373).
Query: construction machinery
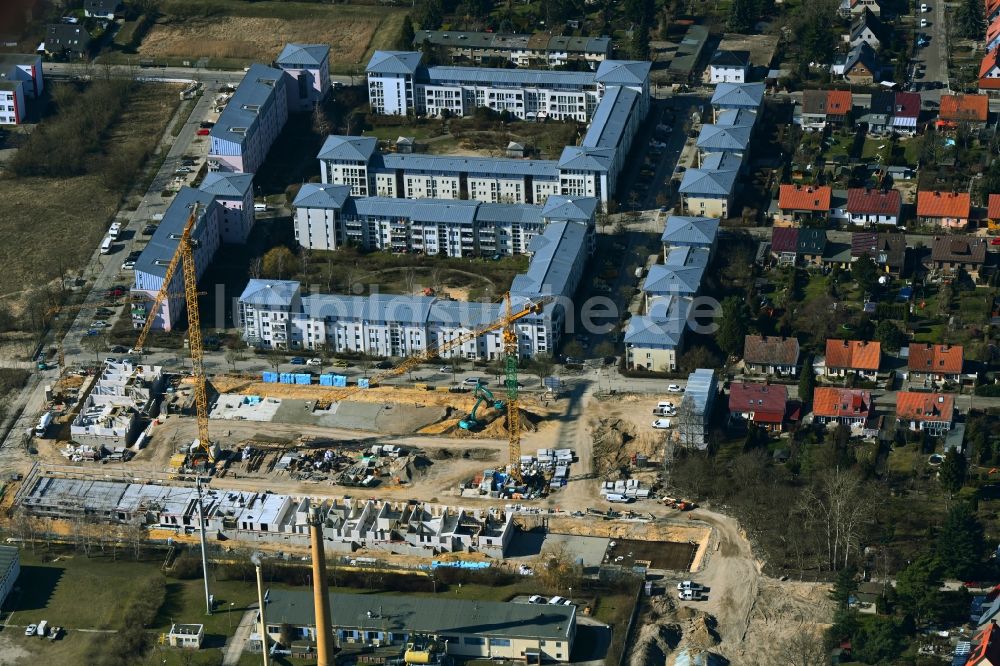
point(483, 396)
point(510, 352)
point(184, 256)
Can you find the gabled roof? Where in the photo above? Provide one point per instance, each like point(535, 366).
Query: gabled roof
point(556, 253)
point(883, 102)
point(862, 54)
point(352, 148)
point(768, 402)
point(394, 62)
point(227, 185)
point(959, 249)
point(623, 72)
point(784, 239)
point(853, 354)
point(838, 102)
point(711, 182)
point(925, 406)
point(270, 292)
point(989, 61)
point(681, 273)
point(985, 646)
point(721, 137)
point(770, 350)
point(864, 201)
point(738, 95)
point(317, 195)
point(805, 197)
point(993, 207)
point(936, 359)
point(888, 249)
point(831, 402)
point(163, 245)
point(811, 241)
point(662, 328)
point(960, 107)
point(586, 159)
point(255, 91)
point(737, 118)
point(867, 19)
point(577, 209)
point(814, 102)
point(690, 231)
point(730, 59)
point(611, 118)
point(943, 204)
point(310, 55)
point(907, 105)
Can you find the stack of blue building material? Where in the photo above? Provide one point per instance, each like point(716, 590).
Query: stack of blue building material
point(286, 378)
point(270, 377)
point(303, 378)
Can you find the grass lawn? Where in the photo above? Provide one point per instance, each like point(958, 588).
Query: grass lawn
point(816, 287)
point(62, 220)
point(911, 149)
point(875, 147)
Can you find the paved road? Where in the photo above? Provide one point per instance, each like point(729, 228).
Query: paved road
point(209, 76)
point(236, 644)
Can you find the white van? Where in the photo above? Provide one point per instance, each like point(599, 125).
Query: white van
point(43, 628)
point(618, 498)
point(106, 245)
point(115, 231)
point(259, 208)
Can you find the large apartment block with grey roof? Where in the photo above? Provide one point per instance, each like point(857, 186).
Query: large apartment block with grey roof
point(275, 314)
point(251, 121)
point(538, 50)
point(308, 69)
point(327, 217)
point(398, 84)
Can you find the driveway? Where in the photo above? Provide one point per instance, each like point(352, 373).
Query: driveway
point(236, 644)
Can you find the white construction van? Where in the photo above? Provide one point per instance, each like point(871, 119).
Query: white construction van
point(106, 245)
point(43, 628)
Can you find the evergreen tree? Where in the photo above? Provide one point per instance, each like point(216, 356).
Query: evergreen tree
point(952, 471)
point(406, 35)
point(960, 543)
point(743, 15)
point(807, 382)
point(970, 21)
point(844, 586)
point(732, 326)
point(918, 588)
point(865, 273)
point(640, 47)
point(889, 335)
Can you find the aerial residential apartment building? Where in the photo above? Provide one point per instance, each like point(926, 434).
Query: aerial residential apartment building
point(20, 80)
point(398, 84)
point(275, 314)
point(328, 216)
point(251, 121)
point(308, 68)
point(234, 194)
point(536, 50)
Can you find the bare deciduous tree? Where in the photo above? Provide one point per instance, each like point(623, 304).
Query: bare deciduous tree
point(838, 504)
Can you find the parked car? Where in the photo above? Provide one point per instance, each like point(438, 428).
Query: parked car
point(30, 629)
point(664, 411)
point(924, 23)
point(559, 601)
point(674, 388)
point(689, 585)
point(204, 131)
point(661, 424)
point(206, 123)
point(56, 631)
point(341, 363)
point(689, 595)
point(100, 323)
point(119, 349)
point(314, 361)
point(111, 359)
point(115, 292)
point(536, 599)
point(383, 365)
point(128, 265)
point(297, 360)
point(104, 312)
point(473, 381)
point(665, 404)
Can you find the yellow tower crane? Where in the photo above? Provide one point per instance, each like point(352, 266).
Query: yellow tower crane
point(185, 257)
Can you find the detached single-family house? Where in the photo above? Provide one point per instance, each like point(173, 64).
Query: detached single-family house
point(935, 363)
point(771, 355)
point(852, 407)
point(859, 357)
point(951, 254)
point(862, 65)
point(765, 405)
point(907, 113)
point(993, 212)
point(811, 246)
point(873, 207)
point(838, 107)
point(849, 8)
point(946, 209)
point(869, 29)
point(888, 251)
point(963, 109)
point(798, 204)
point(102, 9)
point(813, 112)
point(985, 647)
point(989, 71)
point(729, 67)
point(933, 412)
point(992, 11)
point(992, 35)
point(67, 39)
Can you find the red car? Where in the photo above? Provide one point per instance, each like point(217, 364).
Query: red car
point(203, 131)
point(995, 241)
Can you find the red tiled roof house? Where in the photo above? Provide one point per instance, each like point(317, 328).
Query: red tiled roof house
point(935, 363)
point(973, 110)
point(933, 412)
point(852, 407)
point(870, 207)
point(859, 357)
point(946, 209)
point(803, 203)
point(765, 405)
point(993, 213)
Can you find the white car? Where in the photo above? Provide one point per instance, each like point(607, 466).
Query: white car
point(664, 404)
point(674, 388)
point(661, 424)
point(689, 585)
point(689, 595)
point(560, 601)
point(924, 8)
point(924, 23)
point(536, 599)
point(314, 361)
point(100, 323)
point(30, 630)
point(472, 381)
